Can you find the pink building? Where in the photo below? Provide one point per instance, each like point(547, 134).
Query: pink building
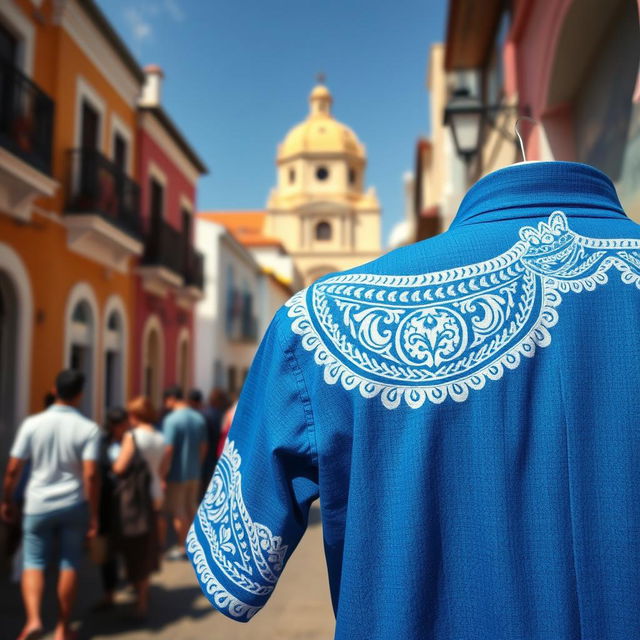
point(170, 273)
point(570, 64)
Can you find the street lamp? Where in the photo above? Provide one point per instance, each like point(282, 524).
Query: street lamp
point(464, 115)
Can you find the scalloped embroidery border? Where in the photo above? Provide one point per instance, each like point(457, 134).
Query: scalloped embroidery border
point(392, 395)
point(233, 501)
point(211, 587)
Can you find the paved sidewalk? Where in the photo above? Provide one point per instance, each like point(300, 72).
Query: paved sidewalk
point(299, 609)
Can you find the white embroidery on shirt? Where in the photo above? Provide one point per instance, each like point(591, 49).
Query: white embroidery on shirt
point(442, 334)
point(246, 552)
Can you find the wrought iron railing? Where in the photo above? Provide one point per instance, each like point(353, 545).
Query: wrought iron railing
point(194, 269)
point(97, 185)
point(163, 247)
point(26, 118)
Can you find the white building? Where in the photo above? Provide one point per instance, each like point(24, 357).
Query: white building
point(240, 298)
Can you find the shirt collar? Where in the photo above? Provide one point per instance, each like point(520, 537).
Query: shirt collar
point(531, 189)
point(62, 408)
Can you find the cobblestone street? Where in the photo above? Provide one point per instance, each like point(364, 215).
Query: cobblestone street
point(300, 608)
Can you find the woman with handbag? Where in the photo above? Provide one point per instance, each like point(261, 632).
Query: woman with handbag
point(141, 467)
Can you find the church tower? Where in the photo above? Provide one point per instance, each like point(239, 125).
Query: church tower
point(319, 208)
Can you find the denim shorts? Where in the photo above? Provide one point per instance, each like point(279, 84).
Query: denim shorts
point(67, 526)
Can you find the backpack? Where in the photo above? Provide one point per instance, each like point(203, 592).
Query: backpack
point(133, 505)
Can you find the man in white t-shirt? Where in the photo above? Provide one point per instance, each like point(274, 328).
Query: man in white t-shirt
point(61, 497)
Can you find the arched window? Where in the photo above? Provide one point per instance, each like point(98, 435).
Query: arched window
point(323, 231)
point(322, 173)
point(292, 176)
point(353, 175)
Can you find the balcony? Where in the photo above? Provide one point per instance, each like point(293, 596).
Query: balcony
point(26, 131)
point(102, 212)
point(193, 289)
point(162, 264)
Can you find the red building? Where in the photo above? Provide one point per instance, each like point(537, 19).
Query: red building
point(170, 272)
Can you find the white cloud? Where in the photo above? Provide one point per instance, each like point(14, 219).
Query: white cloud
point(140, 27)
point(174, 10)
point(144, 17)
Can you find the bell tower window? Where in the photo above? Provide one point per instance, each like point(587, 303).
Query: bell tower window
point(322, 173)
point(292, 176)
point(352, 175)
point(323, 231)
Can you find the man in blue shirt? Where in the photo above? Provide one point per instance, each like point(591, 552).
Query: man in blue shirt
point(185, 433)
point(465, 410)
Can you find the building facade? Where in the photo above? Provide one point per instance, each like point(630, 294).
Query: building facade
point(72, 230)
point(169, 276)
point(319, 209)
point(69, 228)
point(241, 297)
point(572, 65)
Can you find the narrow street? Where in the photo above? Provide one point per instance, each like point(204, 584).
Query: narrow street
point(299, 609)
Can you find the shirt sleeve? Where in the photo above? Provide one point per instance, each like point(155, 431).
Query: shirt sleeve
point(256, 507)
point(91, 449)
point(22, 444)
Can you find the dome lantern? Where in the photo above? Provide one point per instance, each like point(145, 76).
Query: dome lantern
point(320, 133)
point(320, 100)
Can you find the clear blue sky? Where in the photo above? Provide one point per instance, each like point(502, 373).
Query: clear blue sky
point(238, 74)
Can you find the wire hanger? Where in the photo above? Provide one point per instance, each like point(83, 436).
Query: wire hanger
point(517, 129)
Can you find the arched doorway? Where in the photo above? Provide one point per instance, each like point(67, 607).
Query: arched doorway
point(153, 360)
point(82, 350)
point(183, 360)
point(115, 345)
point(8, 363)
point(113, 361)
point(16, 328)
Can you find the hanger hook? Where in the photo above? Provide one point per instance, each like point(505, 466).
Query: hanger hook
point(517, 128)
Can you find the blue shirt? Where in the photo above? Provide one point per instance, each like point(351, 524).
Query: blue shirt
point(465, 408)
point(185, 430)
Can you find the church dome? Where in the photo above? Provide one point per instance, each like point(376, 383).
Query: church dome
point(320, 133)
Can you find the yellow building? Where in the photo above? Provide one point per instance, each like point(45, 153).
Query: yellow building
point(69, 214)
point(320, 210)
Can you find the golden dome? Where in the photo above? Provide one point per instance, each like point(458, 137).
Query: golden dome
point(320, 132)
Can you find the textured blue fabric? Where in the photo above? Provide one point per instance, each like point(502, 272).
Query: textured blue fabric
point(465, 410)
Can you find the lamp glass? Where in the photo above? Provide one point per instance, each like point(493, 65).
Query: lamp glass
point(465, 127)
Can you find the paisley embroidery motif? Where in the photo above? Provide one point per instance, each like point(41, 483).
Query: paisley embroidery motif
point(244, 551)
point(442, 334)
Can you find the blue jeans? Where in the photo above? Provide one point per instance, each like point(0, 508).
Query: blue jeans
point(69, 525)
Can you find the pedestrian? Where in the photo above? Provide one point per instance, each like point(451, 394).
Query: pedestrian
point(14, 531)
point(105, 544)
point(141, 552)
point(194, 400)
point(61, 498)
point(212, 413)
point(186, 437)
